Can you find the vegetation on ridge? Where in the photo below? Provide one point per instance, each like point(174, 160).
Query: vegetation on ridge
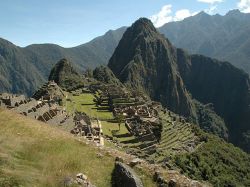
point(65, 76)
point(216, 161)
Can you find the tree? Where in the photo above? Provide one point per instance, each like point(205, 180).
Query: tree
point(119, 118)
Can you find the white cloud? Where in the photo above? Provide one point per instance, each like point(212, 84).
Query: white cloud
point(210, 1)
point(211, 9)
point(244, 6)
point(165, 15)
point(182, 14)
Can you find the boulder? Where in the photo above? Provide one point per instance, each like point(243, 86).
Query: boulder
point(172, 183)
point(124, 176)
point(68, 181)
point(135, 162)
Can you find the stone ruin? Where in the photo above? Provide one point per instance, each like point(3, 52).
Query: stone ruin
point(109, 90)
point(143, 111)
point(140, 114)
point(90, 129)
point(50, 91)
point(42, 110)
point(12, 100)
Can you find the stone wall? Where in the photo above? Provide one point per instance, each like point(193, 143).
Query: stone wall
point(124, 176)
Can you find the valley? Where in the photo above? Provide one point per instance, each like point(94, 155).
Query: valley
point(128, 109)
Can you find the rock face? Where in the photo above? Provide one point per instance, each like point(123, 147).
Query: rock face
point(65, 76)
point(124, 176)
point(220, 83)
point(144, 60)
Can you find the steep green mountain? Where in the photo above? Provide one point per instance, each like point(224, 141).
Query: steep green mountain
point(23, 70)
point(216, 161)
point(17, 73)
point(209, 121)
point(144, 60)
point(105, 75)
point(222, 37)
point(65, 75)
point(220, 83)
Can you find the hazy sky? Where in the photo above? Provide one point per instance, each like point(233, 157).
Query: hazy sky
point(73, 22)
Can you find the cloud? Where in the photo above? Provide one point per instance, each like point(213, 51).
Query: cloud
point(165, 15)
point(182, 14)
point(211, 9)
point(244, 6)
point(210, 1)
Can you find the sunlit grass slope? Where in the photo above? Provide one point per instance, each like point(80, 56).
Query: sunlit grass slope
point(34, 154)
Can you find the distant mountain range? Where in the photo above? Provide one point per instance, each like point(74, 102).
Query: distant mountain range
point(22, 70)
point(226, 37)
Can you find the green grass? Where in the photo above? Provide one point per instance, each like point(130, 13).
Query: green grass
point(36, 154)
point(108, 127)
point(85, 103)
point(217, 162)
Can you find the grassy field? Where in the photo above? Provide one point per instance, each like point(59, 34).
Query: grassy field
point(84, 103)
point(36, 154)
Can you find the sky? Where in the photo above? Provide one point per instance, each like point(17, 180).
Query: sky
point(73, 22)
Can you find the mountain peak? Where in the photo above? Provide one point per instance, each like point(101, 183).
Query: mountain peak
point(143, 24)
point(63, 62)
point(202, 14)
point(65, 75)
point(233, 12)
point(145, 61)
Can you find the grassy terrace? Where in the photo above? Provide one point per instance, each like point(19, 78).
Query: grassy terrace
point(174, 136)
point(84, 103)
point(35, 154)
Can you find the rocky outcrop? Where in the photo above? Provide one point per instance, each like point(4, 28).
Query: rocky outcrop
point(81, 180)
point(124, 176)
point(65, 75)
